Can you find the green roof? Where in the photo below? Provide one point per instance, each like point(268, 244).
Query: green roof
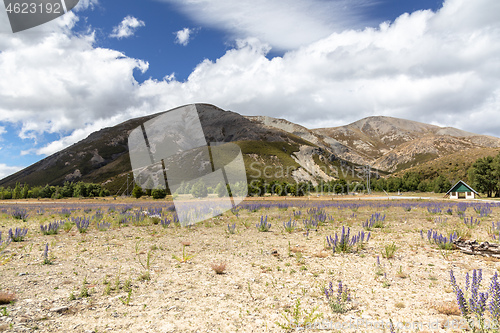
point(460, 186)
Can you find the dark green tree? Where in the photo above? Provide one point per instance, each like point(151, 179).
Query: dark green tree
point(411, 181)
point(137, 192)
point(482, 176)
point(441, 184)
point(80, 190)
point(158, 193)
point(16, 194)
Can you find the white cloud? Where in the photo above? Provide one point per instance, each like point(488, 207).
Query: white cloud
point(438, 68)
point(127, 27)
point(284, 24)
point(182, 36)
point(6, 170)
point(425, 66)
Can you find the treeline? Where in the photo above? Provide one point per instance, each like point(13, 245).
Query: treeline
point(197, 190)
point(485, 175)
point(410, 182)
point(68, 190)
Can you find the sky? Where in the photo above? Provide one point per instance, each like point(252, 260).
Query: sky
point(318, 63)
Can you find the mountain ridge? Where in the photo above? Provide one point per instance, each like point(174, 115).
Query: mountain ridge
point(387, 144)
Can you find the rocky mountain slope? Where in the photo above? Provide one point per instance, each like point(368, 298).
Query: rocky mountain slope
point(272, 149)
point(103, 157)
point(393, 144)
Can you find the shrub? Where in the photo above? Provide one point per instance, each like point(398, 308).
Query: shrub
point(441, 241)
point(137, 192)
point(263, 225)
point(218, 268)
point(51, 228)
point(82, 224)
point(20, 214)
point(18, 234)
point(158, 193)
point(289, 226)
point(389, 250)
point(103, 226)
point(375, 221)
point(231, 228)
point(46, 260)
point(165, 222)
point(476, 304)
point(346, 243)
point(339, 300)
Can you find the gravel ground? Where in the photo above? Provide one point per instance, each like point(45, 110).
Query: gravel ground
point(266, 273)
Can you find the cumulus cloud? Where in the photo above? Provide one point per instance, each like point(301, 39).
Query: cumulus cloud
point(284, 24)
point(435, 67)
point(182, 36)
point(57, 81)
point(424, 66)
point(6, 170)
point(127, 27)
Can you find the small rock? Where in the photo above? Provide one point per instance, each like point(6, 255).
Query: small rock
point(59, 309)
point(23, 274)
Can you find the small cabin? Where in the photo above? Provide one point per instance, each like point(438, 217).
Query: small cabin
point(462, 191)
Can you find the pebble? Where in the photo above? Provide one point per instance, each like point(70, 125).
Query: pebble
point(59, 309)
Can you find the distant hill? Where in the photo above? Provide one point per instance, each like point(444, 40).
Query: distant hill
point(454, 166)
point(277, 149)
point(393, 144)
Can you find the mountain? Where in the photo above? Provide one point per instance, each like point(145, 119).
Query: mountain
point(272, 149)
point(103, 157)
point(393, 144)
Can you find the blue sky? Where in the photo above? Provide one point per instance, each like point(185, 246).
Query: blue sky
point(319, 63)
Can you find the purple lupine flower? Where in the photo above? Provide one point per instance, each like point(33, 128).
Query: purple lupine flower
point(494, 305)
point(481, 304)
point(467, 281)
point(18, 234)
point(452, 279)
point(46, 252)
point(462, 303)
point(378, 261)
point(339, 292)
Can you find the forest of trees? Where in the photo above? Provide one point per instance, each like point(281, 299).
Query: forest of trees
point(68, 190)
point(483, 176)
